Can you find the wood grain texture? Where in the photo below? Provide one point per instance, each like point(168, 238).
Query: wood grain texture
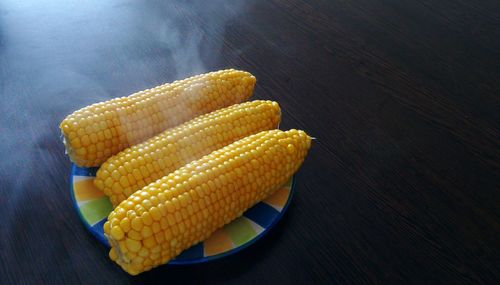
point(401, 185)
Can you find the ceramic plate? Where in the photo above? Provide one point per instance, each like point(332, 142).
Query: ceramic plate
point(93, 208)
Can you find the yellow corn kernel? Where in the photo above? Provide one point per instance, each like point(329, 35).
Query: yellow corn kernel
point(121, 122)
point(181, 145)
point(196, 219)
point(134, 235)
point(117, 233)
point(112, 254)
point(133, 245)
point(125, 224)
point(137, 223)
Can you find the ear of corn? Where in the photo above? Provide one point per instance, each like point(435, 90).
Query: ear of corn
point(95, 133)
point(135, 167)
point(177, 211)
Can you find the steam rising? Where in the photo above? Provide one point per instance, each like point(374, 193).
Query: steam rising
point(57, 57)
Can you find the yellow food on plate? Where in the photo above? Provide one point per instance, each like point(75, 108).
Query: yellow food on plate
point(137, 166)
point(158, 222)
point(95, 133)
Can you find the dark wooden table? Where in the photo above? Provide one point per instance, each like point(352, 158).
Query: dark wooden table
point(401, 185)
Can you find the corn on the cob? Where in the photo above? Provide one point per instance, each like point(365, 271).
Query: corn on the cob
point(177, 211)
point(135, 167)
point(96, 132)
